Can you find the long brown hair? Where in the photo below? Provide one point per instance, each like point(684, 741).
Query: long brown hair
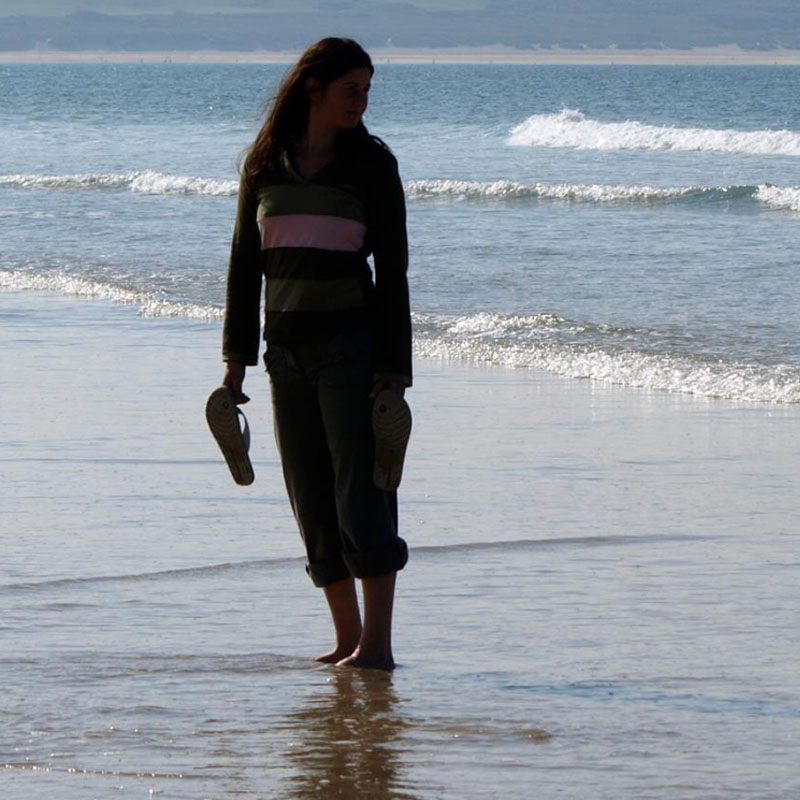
point(287, 118)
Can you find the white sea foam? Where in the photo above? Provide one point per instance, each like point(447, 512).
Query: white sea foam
point(594, 192)
point(525, 342)
point(517, 341)
point(486, 324)
point(141, 182)
point(157, 307)
point(571, 128)
point(150, 304)
point(150, 182)
point(159, 183)
point(784, 197)
point(77, 181)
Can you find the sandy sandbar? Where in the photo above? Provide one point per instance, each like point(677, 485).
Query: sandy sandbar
point(723, 55)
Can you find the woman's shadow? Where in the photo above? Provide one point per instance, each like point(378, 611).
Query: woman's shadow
point(348, 741)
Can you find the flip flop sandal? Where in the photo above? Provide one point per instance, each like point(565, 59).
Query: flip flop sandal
point(391, 423)
point(229, 426)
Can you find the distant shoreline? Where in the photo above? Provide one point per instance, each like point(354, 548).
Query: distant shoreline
point(721, 56)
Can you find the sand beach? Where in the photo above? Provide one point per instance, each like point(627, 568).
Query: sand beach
point(723, 55)
point(599, 600)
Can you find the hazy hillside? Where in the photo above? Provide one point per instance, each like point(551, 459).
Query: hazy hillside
point(284, 24)
point(38, 8)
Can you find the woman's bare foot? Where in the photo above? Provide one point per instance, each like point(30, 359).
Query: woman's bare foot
point(382, 661)
point(336, 655)
point(343, 603)
point(374, 650)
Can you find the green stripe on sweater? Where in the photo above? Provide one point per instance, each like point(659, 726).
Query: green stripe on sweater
point(293, 198)
point(298, 294)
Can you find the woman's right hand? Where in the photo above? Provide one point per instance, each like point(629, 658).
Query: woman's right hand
point(233, 379)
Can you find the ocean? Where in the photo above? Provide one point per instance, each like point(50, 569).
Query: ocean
point(603, 515)
point(596, 222)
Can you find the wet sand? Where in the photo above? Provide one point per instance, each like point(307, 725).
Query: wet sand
point(600, 600)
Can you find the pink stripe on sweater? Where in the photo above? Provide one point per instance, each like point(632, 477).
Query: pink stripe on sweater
point(312, 230)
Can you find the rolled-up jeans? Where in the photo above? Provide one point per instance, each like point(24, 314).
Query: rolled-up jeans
point(322, 413)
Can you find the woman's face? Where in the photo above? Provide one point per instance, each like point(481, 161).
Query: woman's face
point(343, 102)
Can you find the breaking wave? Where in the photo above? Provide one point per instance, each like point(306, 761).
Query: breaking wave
point(786, 198)
point(150, 304)
point(590, 192)
point(158, 183)
point(599, 353)
point(142, 182)
point(625, 356)
point(781, 197)
point(571, 128)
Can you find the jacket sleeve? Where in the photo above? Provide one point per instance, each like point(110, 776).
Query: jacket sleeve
point(242, 323)
point(387, 234)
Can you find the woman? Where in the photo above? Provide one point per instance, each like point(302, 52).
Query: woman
point(318, 194)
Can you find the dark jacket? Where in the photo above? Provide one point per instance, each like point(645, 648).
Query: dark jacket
point(310, 238)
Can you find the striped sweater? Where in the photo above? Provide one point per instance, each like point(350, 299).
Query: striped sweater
point(310, 239)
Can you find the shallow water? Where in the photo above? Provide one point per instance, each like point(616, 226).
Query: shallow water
point(599, 602)
point(601, 668)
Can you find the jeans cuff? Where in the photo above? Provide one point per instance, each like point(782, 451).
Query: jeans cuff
point(324, 573)
point(389, 558)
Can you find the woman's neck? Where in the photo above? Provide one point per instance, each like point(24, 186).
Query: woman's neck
point(314, 151)
point(319, 140)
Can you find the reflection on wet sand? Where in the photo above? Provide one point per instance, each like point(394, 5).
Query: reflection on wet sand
point(348, 741)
